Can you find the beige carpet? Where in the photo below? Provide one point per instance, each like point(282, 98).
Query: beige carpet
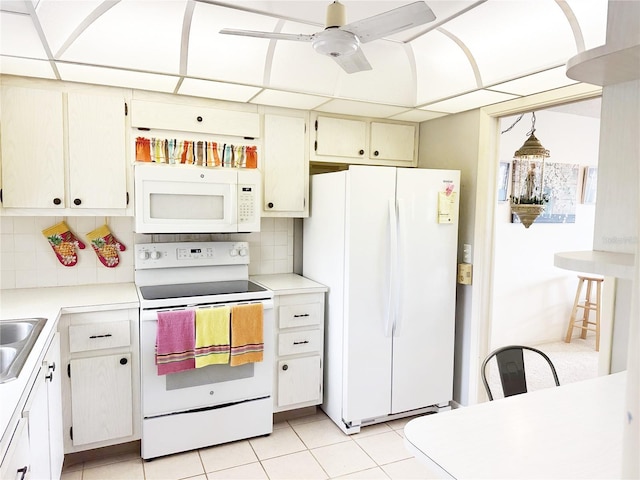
point(573, 361)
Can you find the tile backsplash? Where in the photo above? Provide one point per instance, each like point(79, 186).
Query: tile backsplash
point(27, 260)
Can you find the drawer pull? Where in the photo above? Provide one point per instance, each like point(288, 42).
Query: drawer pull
point(301, 315)
point(101, 336)
point(301, 343)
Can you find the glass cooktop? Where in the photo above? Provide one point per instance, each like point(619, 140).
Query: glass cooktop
point(162, 292)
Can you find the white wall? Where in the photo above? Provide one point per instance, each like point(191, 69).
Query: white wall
point(27, 260)
point(452, 142)
point(532, 299)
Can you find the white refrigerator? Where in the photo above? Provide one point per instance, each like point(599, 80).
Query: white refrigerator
point(384, 240)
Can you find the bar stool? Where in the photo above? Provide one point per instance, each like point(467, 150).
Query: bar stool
point(587, 307)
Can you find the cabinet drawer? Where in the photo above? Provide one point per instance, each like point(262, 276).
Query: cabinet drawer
point(189, 118)
point(299, 342)
point(300, 315)
point(99, 336)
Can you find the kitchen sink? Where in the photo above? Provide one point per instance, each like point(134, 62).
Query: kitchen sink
point(17, 337)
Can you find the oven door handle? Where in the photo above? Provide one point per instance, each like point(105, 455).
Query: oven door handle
point(151, 314)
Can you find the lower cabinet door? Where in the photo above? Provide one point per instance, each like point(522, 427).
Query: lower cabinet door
point(101, 401)
point(298, 380)
point(15, 464)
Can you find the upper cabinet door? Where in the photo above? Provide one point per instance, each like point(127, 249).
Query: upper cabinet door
point(97, 165)
point(339, 137)
point(286, 167)
point(32, 148)
point(391, 141)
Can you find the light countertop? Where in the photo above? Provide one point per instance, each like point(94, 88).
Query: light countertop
point(288, 284)
point(49, 303)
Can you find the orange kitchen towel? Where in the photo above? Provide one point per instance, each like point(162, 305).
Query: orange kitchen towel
point(175, 341)
point(247, 339)
point(212, 336)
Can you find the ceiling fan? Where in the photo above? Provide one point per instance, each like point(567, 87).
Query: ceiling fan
point(342, 41)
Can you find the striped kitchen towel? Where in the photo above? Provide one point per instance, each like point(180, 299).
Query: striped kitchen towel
point(212, 336)
point(247, 339)
point(175, 341)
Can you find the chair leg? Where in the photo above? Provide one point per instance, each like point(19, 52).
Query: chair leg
point(574, 311)
point(586, 311)
point(598, 299)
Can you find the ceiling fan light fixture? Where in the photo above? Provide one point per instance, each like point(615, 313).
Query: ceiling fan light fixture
point(336, 43)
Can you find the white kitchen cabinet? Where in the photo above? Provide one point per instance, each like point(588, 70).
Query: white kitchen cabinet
point(392, 141)
point(53, 381)
point(364, 141)
point(32, 148)
point(97, 168)
point(16, 462)
point(194, 118)
point(36, 411)
point(101, 398)
point(285, 166)
point(101, 388)
point(63, 153)
point(299, 382)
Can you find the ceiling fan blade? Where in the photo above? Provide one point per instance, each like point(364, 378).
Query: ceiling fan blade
point(354, 63)
point(393, 21)
point(298, 37)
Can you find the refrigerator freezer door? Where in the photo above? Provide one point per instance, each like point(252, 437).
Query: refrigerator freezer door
point(423, 338)
point(367, 350)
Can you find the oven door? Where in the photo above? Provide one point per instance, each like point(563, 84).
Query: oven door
point(210, 386)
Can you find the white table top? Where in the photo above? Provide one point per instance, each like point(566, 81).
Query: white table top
point(571, 431)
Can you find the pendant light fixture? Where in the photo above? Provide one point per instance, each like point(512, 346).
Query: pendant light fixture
point(528, 197)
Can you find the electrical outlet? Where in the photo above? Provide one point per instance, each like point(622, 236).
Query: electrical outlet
point(465, 273)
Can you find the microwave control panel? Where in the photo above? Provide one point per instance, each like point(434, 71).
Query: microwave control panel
point(247, 202)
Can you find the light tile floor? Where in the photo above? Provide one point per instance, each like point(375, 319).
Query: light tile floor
point(310, 447)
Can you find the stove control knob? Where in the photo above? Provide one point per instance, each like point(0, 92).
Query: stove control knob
point(233, 252)
point(155, 255)
point(143, 255)
point(243, 252)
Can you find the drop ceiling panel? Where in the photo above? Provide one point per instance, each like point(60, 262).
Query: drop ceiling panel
point(538, 82)
point(469, 101)
point(117, 78)
point(390, 81)
point(508, 39)
point(19, 37)
point(280, 98)
point(60, 18)
point(416, 116)
point(590, 15)
point(26, 67)
point(443, 69)
point(350, 107)
point(227, 57)
point(134, 35)
point(219, 90)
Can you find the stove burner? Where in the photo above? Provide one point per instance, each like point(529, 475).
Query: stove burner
point(162, 292)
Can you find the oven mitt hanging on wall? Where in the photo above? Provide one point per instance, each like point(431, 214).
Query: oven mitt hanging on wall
point(64, 243)
point(106, 246)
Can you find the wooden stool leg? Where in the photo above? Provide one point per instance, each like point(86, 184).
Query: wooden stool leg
point(586, 311)
point(574, 311)
point(598, 298)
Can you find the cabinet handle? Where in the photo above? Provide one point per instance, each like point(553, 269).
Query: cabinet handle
point(101, 336)
point(199, 118)
point(285, 367)
point(270, 204)
point(361, 152)
point(301, 343)
point(376, 153)
point(23, 471)
point(77, 201)
point(123, 361)
point(298, 315)
point(57, 201)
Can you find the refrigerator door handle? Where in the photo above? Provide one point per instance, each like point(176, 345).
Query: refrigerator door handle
point(393, 252)
point(400, 255)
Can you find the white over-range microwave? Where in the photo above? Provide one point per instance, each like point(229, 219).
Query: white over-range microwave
point(193, 199)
